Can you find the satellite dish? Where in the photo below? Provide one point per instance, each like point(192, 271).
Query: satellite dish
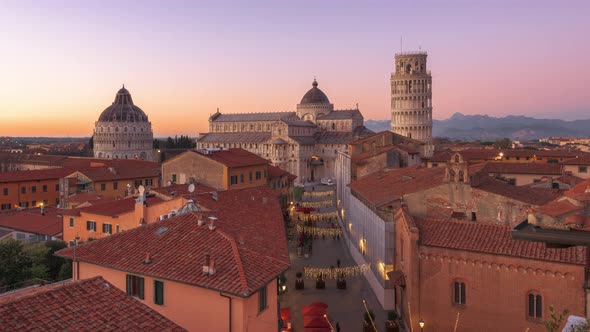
point(191, 188)
point(168, 183)
point(141, 190)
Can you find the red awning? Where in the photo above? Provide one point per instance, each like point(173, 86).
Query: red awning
point(313, 311)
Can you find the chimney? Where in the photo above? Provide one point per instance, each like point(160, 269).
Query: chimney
point(201, 221)
point(212, 267)
point(207, 263)
point(212, 220)
point(148, 258)
point(112, 170)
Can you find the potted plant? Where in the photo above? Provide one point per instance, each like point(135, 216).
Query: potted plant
point(299, 284)
point(369, 317)
point(391, 324)
point(340, 281)
point(320, 283)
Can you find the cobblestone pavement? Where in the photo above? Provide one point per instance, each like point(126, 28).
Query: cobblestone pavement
point(344, 306)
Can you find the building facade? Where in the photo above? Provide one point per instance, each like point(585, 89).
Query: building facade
point(411, 98)
point(305, 143)
point(123, 131)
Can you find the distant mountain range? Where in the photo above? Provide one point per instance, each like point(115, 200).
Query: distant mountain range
point(484, 127)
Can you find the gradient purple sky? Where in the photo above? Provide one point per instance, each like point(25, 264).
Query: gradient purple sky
point(63, 61)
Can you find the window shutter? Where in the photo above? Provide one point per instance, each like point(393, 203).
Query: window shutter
point(129, 285)
point(159, 292)
point(140, 288)
point(539, 306)
point(88, 225)
point(531, 305)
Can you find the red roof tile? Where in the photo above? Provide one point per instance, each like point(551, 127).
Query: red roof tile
point(578, 160)
point(390, 184)
point(579, 188)
point(88, 305)
point(523, 168)
point(276, 172)
point(235, 157)
point(558, 208)
point(491, 154)
point(83, 162)
point(249, 245)
point(31, 221)
point(34, 175)
point(526, 194)
point(491, 239)
point(120, 173)
point(117, 207)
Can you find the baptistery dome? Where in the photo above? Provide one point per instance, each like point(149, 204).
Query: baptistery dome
point(123, 130)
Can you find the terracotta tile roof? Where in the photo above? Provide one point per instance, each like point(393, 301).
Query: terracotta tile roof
point(120, 173)
point(390, 184)
point(88, 305)
point(248, 117)
point(341, 114)
point(276, 172)
point(117, 207)
point(31, 221)
point(578, 160)
point(523, 168)
point(82, 162)
point(572, 180)
point(526, 194)
point(35, 175)
point(178, 190)
point(558, 208)
point(249, 245)
point(243, 137)
point(234, 157)
point(491, 154)
point(579, 188)
point(88, 197)
point(491, 239)
point(378, 150)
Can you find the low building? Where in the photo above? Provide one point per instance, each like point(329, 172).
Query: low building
point(520, 174)
point(474, 277)
point(23, 189)
point(32, 225)
point(90, 304)
point(222, 169)
point(211, 268)
point(578, 166)
point(474, 156)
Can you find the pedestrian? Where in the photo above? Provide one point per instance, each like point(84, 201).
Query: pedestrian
point(338, 262)
point(337, 327)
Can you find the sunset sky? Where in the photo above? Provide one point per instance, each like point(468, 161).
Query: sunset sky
point(62, 62)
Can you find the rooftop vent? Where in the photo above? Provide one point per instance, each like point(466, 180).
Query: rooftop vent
point(148, 259)
point(212, 221)
point(161, 230)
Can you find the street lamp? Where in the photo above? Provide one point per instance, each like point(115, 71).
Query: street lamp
point(284, 288)
point(421, 323)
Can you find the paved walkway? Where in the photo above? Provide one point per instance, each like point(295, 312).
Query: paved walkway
point(344, 306)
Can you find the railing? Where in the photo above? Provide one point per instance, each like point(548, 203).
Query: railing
point(411, 53)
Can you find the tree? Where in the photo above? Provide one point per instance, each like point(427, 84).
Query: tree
point(504, 143)
point(552, 325)
point(14, 262)
point(65, 272)
point(54, 263)
point(37, 253)
point(91, 142)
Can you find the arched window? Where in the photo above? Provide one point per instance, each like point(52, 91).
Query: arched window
point(461, 175)
point(456, 158)
point(534, 305)
point(333, 126)
point(459, 292)
point(451, 175)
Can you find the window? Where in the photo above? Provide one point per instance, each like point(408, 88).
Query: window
point(34, 203)
point(34, 189)
point(149, 182)
point(434, 164)
point(174, 178)
point(233, 179)
point(250, 176)
point(258, 175)
point(103, 186)
point(135, 286)
point(6, 206)
point(158, 292)
point(265, 173)
point(23, 190)
point(107, 228)
point(57, 187)
point(45, 202)
point(20, 236)
point(242, 178)
point(535, 306)
point(473, 216)
point(5, 191)
point(23, 204)
point(583, 169)
point(262, 304)
point(115, 185)
point(459, 292)
point(91, 225)
point(44, 188)
point(71, 221)
point(117, 228)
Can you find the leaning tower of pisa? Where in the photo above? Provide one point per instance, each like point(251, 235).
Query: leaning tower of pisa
point(411, 98)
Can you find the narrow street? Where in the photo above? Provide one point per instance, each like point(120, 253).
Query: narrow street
point(345, 306)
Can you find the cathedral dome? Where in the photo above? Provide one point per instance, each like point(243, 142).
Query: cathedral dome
point(123, 110)
point(315, 95)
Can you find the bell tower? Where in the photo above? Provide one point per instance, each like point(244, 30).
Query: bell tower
point(411, 98)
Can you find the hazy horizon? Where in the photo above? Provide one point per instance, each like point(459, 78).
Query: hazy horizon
point(66, 60)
